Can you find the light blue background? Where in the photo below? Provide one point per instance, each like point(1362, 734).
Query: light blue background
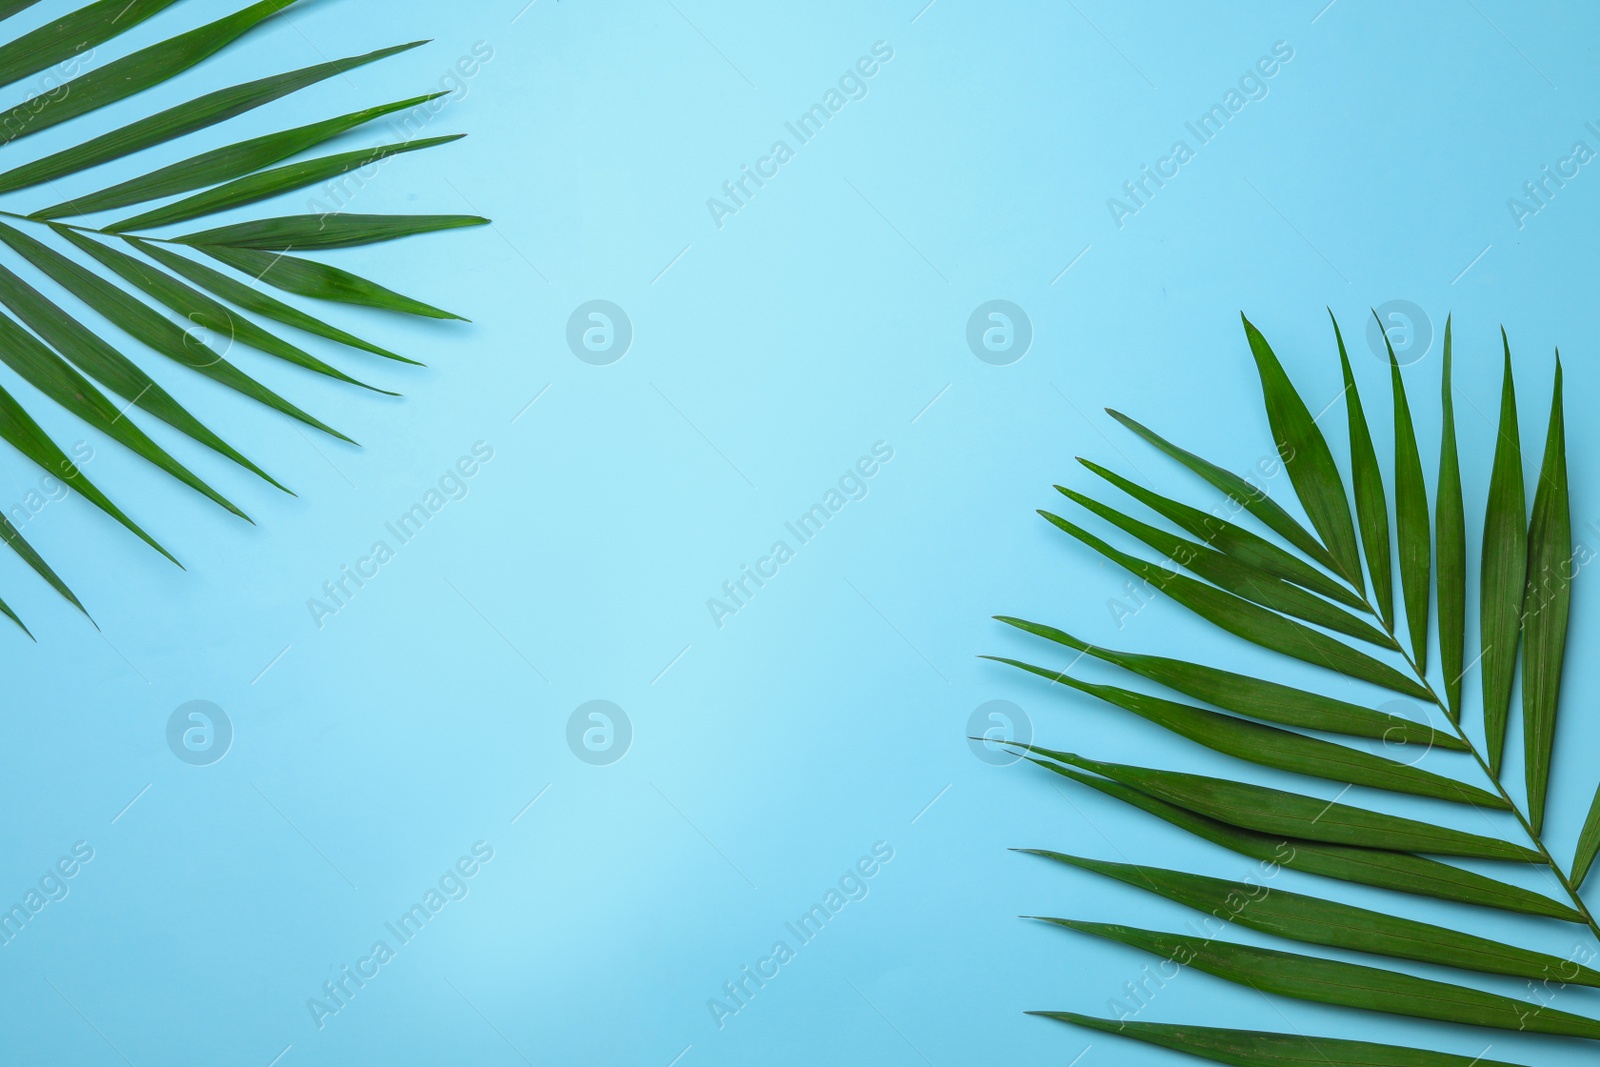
point(768, 356)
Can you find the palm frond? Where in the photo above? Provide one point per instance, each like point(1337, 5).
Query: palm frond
point(1306, 596)
point(146, 291)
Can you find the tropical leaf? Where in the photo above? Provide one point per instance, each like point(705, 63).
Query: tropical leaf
point(1410, 517)
point(1450, 519)
point(162, 305)
point(1274, 590)
point(1252, 1048)
point(1399, 871)
point(1545, 607)
point(1504, 570)
point(1307, 458)
point(1284, 749)
point(1372, 507)
point(1349, 985)
point(1243, 545)
point(1333, 924)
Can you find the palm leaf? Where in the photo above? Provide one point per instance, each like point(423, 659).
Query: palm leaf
point(1281, 813)
point(1283, 749)
point(1545, 607)
point(1399, 871)
point(1256, 697)
point(175, 122)
point(92, 364)
point(122, 78)
point(1252, 1048)
point(1504, 570)
point(1275, 595)
point(1332, 924)
point(1372, 507)
point(1307, 458)
point(1350, 985)
point(1450, 518)
point(1411, 517)
point(1230, 574)
point(1248, 548)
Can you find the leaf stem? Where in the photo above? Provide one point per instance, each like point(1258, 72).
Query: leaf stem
point(74, 226)
point(1537, 840)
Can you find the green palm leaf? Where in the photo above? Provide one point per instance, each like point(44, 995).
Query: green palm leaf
point(175, 122)
point(1248, 548)
point(1545, 607)
point(1411, 517)
point(1450, 518)
point(122, 78)
point(92, 364)
point(1504, 570)
point(1251, 1048)
point(1273, 590)
point(1281, 813)
point(1333, 924)
point(1349, 985)
point(1308, 459)
point(1283, 749)
point(1372, 508)
point(1399, 871)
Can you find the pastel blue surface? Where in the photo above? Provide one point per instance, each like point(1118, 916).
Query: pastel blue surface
point(773, 347)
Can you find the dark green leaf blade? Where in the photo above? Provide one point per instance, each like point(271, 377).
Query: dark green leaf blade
point(54, 377)
point(1545, 607)
point(1411, 517)
point(1235, 576)
point(201, 310)
point(131, 74)
point(109, 367)
point(1241, 492)
point(1333, 924)
point(1255, 624)
point(183, 119)
point(19, 544)
point(149, 327)
point(264, 185)
point(1270, 746)
point(1244, 546)
point(1254, 1048)
point(305, 277)
point(1255, 697)
point(235, 160)
point(310, 232)
point(1276, 811)
point(1504, 570)
point(1450, 518)
point(244, 296)
point(1325, 981)
point(1372, 508)
point(27, 437)
point(1306, 456)
point(1399, 871)
point(5, 609)
point(71, 35)
point(13, 7)
point(1588, 843)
